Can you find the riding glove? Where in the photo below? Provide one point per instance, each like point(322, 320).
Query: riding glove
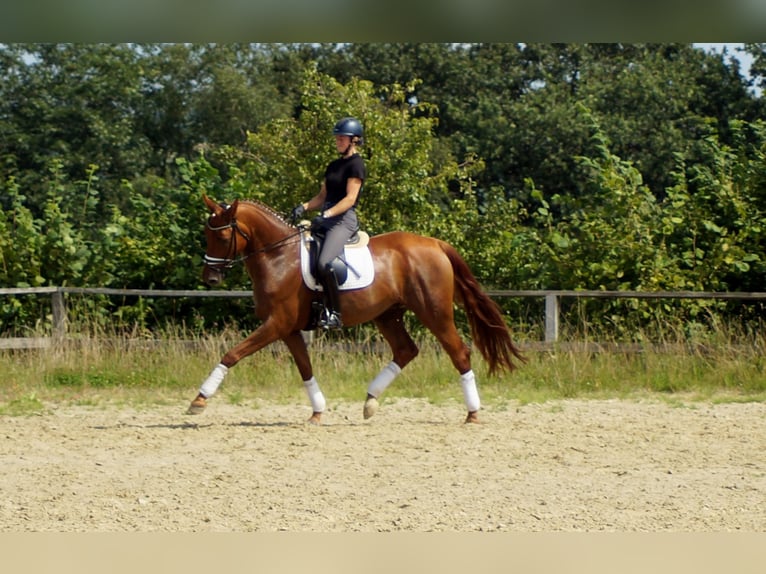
point(298, 210)
point(318, 223)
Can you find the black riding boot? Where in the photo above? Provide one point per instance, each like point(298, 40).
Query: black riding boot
point(330, 319)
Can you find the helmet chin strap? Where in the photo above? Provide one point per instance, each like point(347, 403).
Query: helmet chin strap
point(352, 141)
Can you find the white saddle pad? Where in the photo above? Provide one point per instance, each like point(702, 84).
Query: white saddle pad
point(359, 261)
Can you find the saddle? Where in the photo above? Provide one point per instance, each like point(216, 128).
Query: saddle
point(353, 268)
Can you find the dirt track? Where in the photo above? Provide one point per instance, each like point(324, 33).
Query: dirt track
point(565, 466)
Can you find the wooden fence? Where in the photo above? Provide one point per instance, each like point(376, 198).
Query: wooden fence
point(552, 303)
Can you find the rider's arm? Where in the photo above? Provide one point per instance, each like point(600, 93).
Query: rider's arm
point(353, 185)
point(318, 200)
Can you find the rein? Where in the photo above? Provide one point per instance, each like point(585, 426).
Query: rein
point(228, 262)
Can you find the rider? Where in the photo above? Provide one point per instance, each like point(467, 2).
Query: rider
point(337, 200)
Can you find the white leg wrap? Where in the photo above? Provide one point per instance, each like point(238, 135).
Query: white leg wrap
point(315, 395)
point(470, 393)
point(213, 381)
point(383, 379)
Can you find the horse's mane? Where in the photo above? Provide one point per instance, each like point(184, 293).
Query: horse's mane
point(269, 210)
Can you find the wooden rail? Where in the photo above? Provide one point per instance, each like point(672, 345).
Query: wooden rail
point(553, 298)
point(552, 303)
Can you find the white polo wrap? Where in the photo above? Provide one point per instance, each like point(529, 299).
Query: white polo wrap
point(384, 378)
point(315, 395)
point(213, 381)
point(470, 393)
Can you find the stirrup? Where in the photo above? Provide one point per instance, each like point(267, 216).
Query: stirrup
point(330, 320)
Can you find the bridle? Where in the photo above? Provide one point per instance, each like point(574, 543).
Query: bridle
point(229, 262)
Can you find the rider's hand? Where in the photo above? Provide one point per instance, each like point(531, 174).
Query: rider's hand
point(318, 223)
point(298, 210)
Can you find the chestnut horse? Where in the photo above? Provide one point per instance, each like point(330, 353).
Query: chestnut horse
point(411, 272)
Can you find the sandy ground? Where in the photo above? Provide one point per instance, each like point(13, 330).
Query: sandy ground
point(615, 466)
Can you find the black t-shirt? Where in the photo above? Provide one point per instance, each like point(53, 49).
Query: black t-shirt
point(337, 175)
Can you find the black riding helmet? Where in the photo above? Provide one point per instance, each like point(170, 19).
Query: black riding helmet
point(348, 127)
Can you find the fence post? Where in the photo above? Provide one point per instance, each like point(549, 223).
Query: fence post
point(59, 314)
point(551, 318)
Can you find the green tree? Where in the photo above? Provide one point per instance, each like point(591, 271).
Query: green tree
point(75, 102)
point(718, 210)
point(407, 186)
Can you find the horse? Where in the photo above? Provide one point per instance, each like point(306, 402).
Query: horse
point(415, 273)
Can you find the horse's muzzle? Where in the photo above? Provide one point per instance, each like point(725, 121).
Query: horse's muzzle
point(212, 276)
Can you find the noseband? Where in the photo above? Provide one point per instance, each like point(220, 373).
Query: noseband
point(226, 262)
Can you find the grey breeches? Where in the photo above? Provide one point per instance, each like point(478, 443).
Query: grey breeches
point(336, 237)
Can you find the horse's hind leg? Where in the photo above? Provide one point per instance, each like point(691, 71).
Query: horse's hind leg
point(461, 359)
point(442, 325)
point(391, 326)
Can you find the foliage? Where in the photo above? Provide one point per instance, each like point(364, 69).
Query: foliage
point(549, 166)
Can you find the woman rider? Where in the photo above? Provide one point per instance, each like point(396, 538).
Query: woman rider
point(337, 200)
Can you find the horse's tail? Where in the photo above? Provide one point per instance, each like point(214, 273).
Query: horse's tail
point(488, 328)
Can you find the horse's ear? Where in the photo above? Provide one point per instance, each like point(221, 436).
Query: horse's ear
point(233, 206)
point(211, 205)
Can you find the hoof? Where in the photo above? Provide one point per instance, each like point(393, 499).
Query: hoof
point(315, 419)
point(197, 406)
point(473, 417)
point(370, 407)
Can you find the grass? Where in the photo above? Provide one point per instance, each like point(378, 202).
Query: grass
point(104, 369)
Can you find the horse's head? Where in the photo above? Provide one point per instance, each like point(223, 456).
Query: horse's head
point(226, 241)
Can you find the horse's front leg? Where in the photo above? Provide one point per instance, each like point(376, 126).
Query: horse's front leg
point(262, 336)
point(297, 346)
